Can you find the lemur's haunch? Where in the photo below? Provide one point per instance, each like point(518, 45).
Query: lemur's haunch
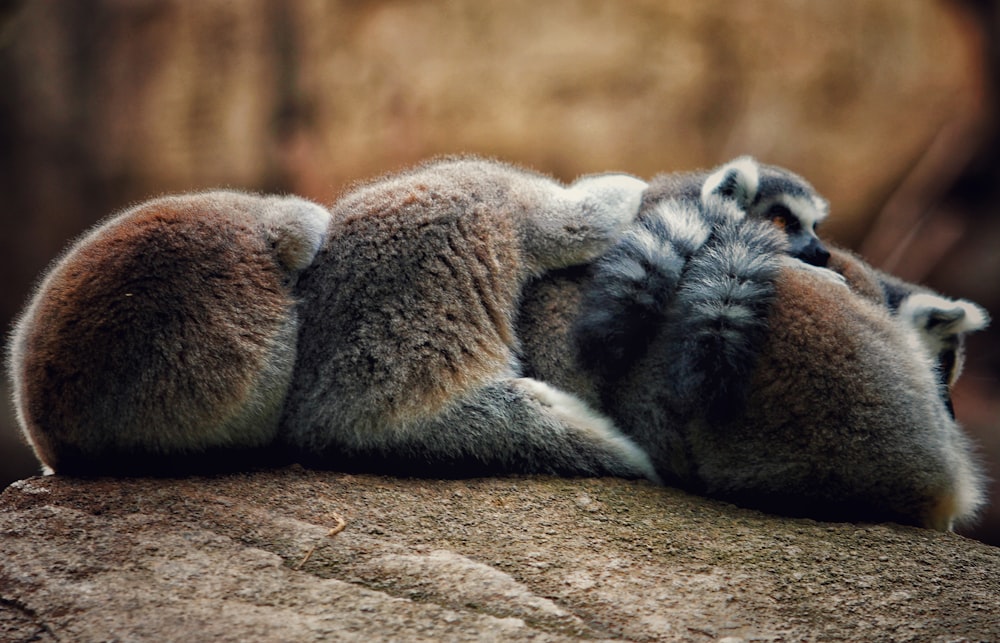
point(167, 330)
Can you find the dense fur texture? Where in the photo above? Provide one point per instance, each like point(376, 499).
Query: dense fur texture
point(174, 329)
point(941, 323)
point(407, 349)
point(844, 416)
point(444, 321)
point(830, 400)
point(703, 272)
point(169, 330)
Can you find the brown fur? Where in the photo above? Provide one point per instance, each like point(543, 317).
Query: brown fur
point(843, 417)
point(167, 329)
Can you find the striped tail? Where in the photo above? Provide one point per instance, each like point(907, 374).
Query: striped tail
point(719, 318)
point(698, 279)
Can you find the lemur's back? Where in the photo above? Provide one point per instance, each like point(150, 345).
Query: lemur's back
point(407, 354)
point(409, 299)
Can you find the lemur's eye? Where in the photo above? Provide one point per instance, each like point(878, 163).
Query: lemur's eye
point(782, 217)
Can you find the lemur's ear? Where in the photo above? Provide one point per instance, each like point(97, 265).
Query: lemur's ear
point(944, 317)
point(738, 180)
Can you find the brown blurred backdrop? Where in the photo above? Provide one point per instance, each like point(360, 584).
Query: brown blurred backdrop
point(889, 108)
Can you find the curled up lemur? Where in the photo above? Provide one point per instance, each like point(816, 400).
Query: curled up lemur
point(748, 377)
point(382, 334)
point(168, 330)
point(407, 347)
point(379, 332)
point(765, 192)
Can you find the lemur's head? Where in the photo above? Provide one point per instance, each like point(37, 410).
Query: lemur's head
point(939, 324)
point(778, 195)
point(942, 324)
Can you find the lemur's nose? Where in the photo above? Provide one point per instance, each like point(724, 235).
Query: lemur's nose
point(815, 253)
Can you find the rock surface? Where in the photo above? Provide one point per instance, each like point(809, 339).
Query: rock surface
point(218, 559)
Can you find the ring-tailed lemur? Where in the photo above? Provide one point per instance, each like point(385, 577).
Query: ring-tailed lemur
point(706, 246)
point(680, 213)
point(765, 192)
point(790, 202)
point(188, 324)
point(618, 323)
point(168, 330)
point(747, 377)
point(407, 349)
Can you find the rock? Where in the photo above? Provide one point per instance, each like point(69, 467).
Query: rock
point(224, 559)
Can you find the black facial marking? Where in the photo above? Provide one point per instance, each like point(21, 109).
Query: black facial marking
point(815, 253)
point(947, 359)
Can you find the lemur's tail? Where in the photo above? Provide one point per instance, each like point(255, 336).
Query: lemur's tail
point(632, 286)
point(718, 319)
point(696, 275)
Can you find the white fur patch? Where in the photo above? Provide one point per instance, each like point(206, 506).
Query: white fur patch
point(809, 211)
point(826, 274)
point(720, 208)
point(299, 227)
point(684, 223)
point(623, 184)
point(967, 316)
point(651, 244)
point(619, 194)
point(822, 206)
point(576, 413)
point(316, 220)
point(746, 172)
point(976, 317)
point(969, 496)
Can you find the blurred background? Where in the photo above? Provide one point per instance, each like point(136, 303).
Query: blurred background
point(890, 109)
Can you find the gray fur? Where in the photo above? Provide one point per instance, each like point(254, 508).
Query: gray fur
point(168, 332)
point(407, 347)
point(764, 192)
point(941, 323)
point(183, 327)
point(703, 274)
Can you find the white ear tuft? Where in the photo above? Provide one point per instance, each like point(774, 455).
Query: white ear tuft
point(737, 180)
point(976, 318)
point(943, 316)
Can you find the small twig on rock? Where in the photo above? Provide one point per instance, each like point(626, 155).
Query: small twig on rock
point(341, 525)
